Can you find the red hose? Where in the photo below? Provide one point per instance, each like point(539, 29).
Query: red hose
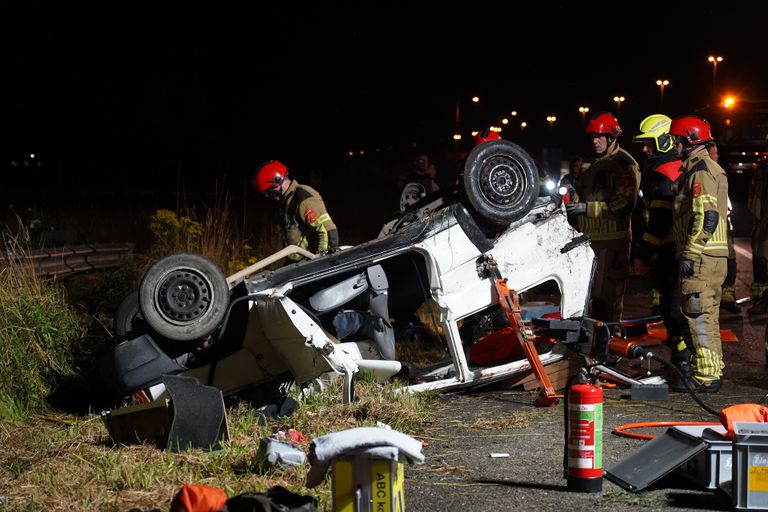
point(620, 430)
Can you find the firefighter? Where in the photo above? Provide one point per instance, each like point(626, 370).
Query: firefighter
point(661, 179)
point(605, 196)
point(701, 236)
point(305, 221)
point(757, 203)
point(728, 297)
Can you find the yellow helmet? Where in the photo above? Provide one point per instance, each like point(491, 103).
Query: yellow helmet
point(656, 127)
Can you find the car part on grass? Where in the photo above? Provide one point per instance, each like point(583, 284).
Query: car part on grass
point(184, 297)
point(174, 423)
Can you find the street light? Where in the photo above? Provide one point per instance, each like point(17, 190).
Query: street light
point(583, 111)
point(714, 59)
point(523, 125)
point(551, 120)
point(618, 100)
point(662, 84)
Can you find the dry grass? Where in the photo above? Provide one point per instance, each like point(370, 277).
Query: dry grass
point(62, 463)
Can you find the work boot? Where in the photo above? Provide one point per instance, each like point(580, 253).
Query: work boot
point(761, 305)
point(730, 306)
point(682, 360)
point(696, 386)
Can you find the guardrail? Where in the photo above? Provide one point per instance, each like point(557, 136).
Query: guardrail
point(72, 259)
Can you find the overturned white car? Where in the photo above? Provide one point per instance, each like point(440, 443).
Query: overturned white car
point(340, 312)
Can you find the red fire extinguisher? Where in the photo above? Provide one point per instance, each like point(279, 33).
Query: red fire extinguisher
point(584, 438)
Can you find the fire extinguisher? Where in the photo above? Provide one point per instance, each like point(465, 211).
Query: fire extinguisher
point(584, 437)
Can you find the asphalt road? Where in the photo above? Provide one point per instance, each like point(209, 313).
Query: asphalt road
point(460, 474)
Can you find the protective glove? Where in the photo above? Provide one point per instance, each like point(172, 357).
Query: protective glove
point(576, 209)
point(685, 268)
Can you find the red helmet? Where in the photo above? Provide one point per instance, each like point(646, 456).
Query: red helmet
point(486, 135)
point(694, 129)
point(268, 178)
point(604, 123)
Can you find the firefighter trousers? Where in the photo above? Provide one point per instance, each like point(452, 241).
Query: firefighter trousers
point(700, 306)
point(610, 279)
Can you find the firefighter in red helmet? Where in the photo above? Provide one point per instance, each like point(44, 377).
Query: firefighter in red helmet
point(605, 197)
point(701, 239)
point(660, 184)
point(305, 220)
point(486, 135)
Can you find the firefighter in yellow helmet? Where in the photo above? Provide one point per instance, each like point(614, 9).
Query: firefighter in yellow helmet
point(606, 192)
point(305, 221)
point(662, 177)
point(701, 236)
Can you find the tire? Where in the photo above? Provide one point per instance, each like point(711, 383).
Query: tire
point(184, 297)
point(128, 317)
point(500, 182)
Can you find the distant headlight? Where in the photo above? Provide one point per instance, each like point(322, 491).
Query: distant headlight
point(562, 191)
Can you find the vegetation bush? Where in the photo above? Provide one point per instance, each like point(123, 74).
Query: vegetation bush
point(39, 333)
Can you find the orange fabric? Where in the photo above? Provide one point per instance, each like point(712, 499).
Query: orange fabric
point(199, 498)
point(753, 413)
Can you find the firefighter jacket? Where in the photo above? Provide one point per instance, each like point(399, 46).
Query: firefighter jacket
point(608, 185)
point(701, 209)
point(757, 199)
point(660, 184)
point(306, 222)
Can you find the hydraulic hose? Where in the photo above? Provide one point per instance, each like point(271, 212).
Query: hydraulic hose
point(637, 351)
point(621, 429)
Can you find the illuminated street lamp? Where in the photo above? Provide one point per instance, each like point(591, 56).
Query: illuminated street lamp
point(583, 111)
point(619, 100)
point(523, 125)
point(714, 59)
point(551, 120)
point(662, 84)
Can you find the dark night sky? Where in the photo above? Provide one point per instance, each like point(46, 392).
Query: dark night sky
point(224, 88)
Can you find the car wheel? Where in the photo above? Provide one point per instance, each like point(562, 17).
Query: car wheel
point(128, 317)
point(500, 182)
point(184, 297)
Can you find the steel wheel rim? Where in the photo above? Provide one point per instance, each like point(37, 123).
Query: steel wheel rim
point(183, 296)
point(502, 181)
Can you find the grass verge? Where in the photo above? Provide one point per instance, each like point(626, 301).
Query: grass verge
point(63, 463)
